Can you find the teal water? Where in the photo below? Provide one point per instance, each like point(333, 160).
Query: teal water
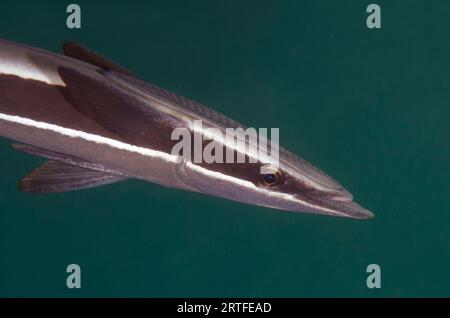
point(370, 107)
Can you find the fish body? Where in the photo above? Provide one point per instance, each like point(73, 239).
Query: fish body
point(97, 124)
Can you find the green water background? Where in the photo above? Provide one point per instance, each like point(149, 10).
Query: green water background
point(370, 107)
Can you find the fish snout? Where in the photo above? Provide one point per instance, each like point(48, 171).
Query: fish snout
point(338, 202)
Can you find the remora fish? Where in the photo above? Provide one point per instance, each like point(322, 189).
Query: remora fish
point(97, 124)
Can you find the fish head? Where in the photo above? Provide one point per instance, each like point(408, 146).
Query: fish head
point(292, 185)
point(297, 185)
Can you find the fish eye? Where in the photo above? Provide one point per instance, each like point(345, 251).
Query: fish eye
point(271, 179)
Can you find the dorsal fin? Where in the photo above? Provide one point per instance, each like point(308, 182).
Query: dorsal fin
point(55, 176)
point(197, 109)
point(83, 53)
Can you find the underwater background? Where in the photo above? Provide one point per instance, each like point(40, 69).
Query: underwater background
point(371, 107)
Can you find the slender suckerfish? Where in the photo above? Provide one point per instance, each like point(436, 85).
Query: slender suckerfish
point(96, 124)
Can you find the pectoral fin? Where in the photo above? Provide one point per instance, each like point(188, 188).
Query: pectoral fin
point(54, 177)
point(64, 173)
point(67, 159)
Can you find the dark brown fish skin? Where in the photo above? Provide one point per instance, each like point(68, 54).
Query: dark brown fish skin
point(98, 112)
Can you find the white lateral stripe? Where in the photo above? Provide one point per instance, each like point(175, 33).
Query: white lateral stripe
point(89, 137)
point(26, 70)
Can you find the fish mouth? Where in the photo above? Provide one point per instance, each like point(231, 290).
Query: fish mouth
point(338, 204)
point(329, 204)
point(353, 210)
